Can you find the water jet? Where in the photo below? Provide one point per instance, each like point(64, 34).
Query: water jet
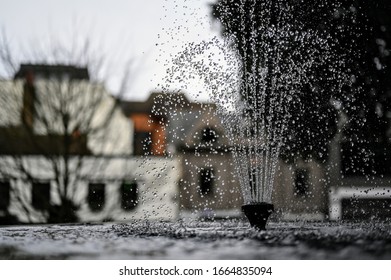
point(273, 64)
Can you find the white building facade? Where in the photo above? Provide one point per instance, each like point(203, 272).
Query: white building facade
point(67, 140)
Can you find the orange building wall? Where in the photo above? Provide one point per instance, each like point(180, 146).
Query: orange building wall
point(146, 123)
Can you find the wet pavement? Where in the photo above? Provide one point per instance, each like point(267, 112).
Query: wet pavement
point(197, 240)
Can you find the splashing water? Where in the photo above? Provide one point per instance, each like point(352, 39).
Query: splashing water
point(256, 76)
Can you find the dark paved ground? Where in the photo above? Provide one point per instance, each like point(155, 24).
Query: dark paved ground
point(198, 240)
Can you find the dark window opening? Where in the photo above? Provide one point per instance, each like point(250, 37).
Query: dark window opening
point(41, 195)
point(129, 195)
point(301, 182)
point(142, 143)
point(5, 188)
point(96, 196)
point(206, 181)
point(209, 135)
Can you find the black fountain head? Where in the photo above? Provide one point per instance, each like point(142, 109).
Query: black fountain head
point(258, 213)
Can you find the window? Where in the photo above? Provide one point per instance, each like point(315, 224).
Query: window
point(129, 195)
point(206, 181)
point(301, 182)
point(5, 188)
point(41, 195)
point(209, 136)
point(142, 144)
point(96, 196)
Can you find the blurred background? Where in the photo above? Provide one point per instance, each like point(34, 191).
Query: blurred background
point(145, 33)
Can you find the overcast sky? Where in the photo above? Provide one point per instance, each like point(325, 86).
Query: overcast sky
point(146, 30)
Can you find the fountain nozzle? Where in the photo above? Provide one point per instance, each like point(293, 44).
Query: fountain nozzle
point(258, 213)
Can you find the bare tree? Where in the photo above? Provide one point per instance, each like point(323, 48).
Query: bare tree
point(58, 122)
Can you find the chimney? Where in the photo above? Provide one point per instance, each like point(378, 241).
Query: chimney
point(28, 110)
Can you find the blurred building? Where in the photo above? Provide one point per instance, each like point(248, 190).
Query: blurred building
point(107, 189)
point(359, 178)
point(353, 185)
point(172, 125)
point(301, 191)
point(163, 158)
point(169, 124)
point(65, 141)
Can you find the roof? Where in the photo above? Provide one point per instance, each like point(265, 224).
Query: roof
point(57, 70)
point(161, 103)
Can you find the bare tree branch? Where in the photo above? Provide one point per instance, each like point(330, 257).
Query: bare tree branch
point(71, 119)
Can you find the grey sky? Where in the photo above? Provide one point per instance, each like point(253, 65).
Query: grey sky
point(148, 30)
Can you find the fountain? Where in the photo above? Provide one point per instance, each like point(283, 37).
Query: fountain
point(285, 55)
point(274, 56)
